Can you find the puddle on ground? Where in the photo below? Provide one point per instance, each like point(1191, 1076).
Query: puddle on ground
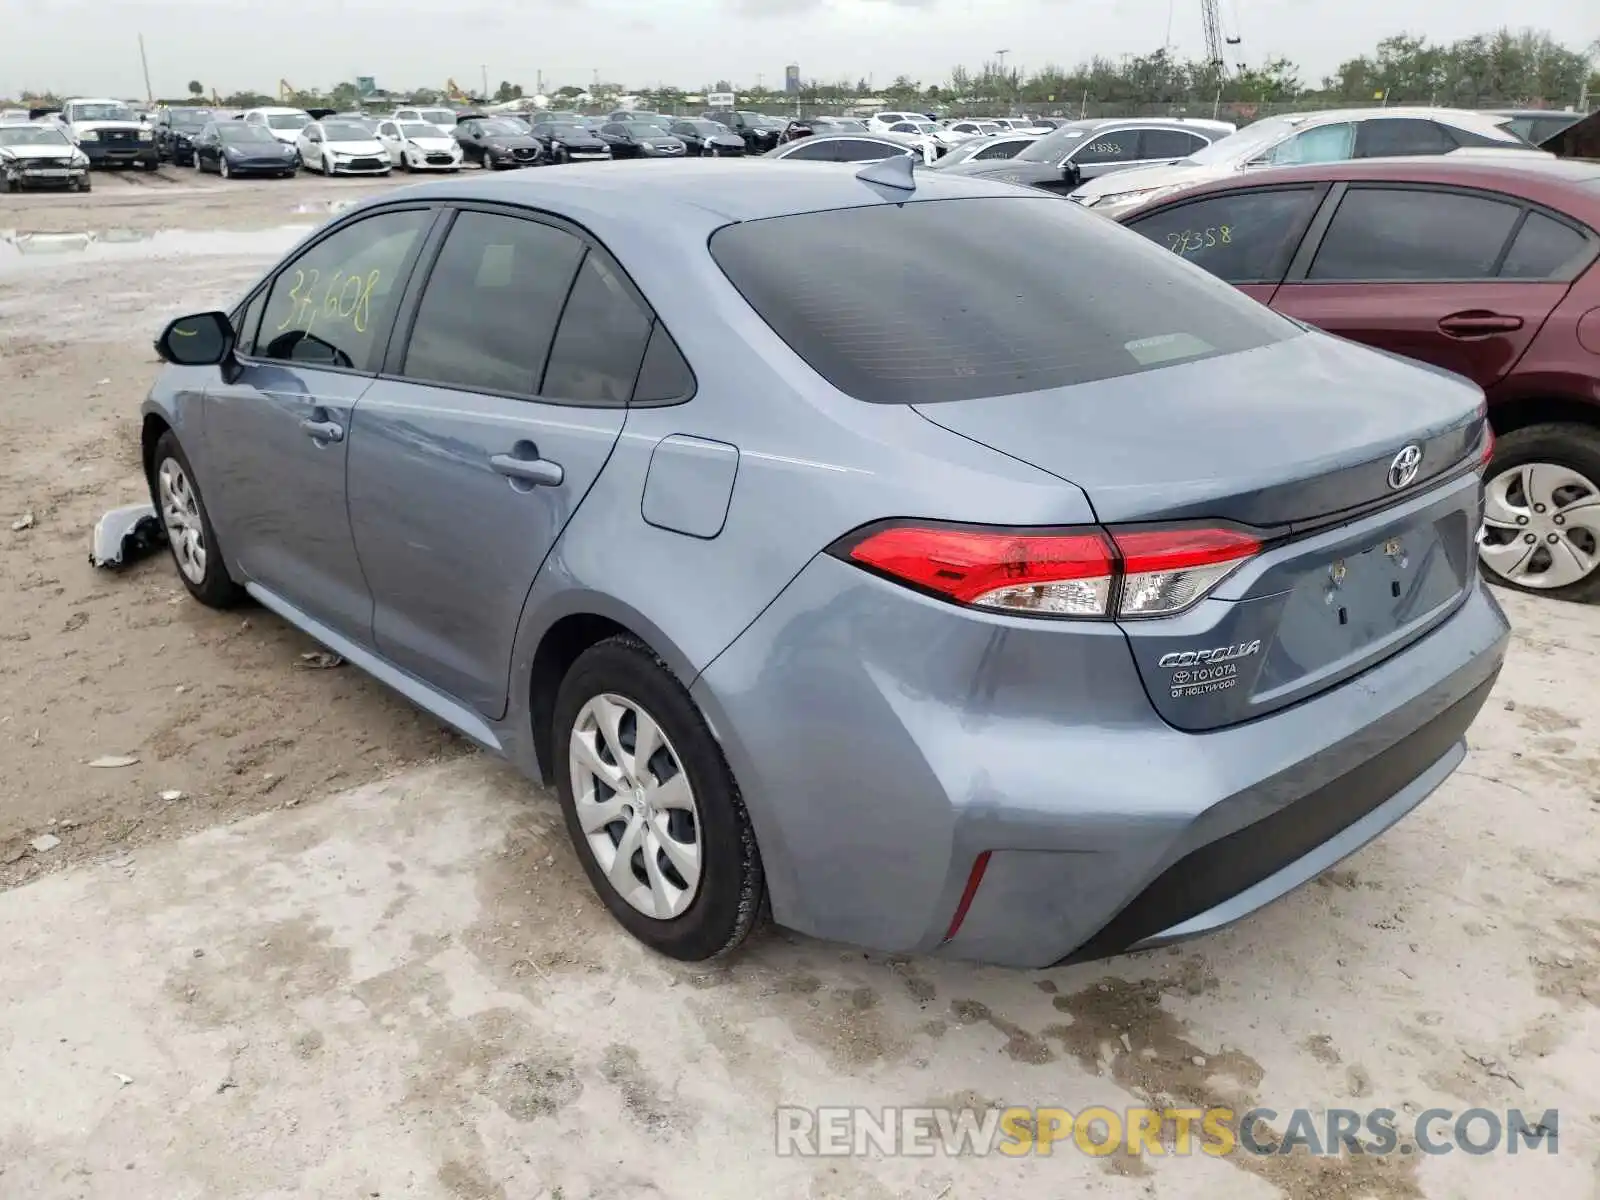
point(135, 244)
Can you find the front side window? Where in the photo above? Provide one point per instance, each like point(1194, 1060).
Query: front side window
point(1024, 294)
point(1415, 234)
point(1326, 143)
point(333, 305)
point(490, 307)
point(1242, 237)
point(1120, 146)
point(597, 351)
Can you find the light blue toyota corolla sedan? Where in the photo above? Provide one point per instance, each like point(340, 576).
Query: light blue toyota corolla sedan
point(939, 564)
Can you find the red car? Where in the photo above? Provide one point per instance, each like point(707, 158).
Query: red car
point(1482, 266)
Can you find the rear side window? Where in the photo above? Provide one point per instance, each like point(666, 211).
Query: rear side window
point(1023, 294)
point(1387, 137)
point(491, 304)
point(1399, 233)
point(664, 376)
point(598, 348)
point(1544, 249)
point(1243, 237)
point(1169, 143)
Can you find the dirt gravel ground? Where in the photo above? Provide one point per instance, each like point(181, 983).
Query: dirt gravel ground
point(353, 959)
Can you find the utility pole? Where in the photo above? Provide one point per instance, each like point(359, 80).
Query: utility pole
point(149, 95)
point(1005, 80)
point(484, 67)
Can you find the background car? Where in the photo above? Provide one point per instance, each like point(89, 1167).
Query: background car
point(759, 131)
point(284, 124)
point(1331, 136)
point(883, 122)
point(708, 139)
point(806, 126)
point(997, 147)
point(444, 118)
point(175, 128)
point(641, 139)
point(108, 133)
point(498, 143)
point(852, 147)
point(994, 426)
point(626, 115)
point(1075, 151)
point(1536, 126)
point(419, 146)
point(39, 156)
point(570, 141)
point(342, 148)
point(234, 148)
point(1483, 268)
point(15, 116)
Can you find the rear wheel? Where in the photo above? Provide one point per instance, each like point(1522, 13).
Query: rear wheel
point(651, 805)
point(189, 534)
point(1542, 512)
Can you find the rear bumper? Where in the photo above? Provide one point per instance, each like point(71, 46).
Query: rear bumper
point(883, 741)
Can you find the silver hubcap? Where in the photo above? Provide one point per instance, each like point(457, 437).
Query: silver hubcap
point(180, 512)
point(635, 806)
point(1541, 526)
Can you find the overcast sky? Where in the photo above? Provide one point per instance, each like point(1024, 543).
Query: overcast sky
point(92, 48)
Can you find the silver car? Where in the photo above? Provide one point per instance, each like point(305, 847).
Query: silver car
point(960, 602)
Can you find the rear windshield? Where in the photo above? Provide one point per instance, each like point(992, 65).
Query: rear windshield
point(957, 299)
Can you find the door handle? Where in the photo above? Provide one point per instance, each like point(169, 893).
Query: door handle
point(322, 431)
point(1478, 324)
point(540, 472)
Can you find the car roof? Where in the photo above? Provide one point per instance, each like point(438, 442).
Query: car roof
point(1519, 173)
point(667, 191)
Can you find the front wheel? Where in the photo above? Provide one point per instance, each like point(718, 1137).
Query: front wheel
point(1541, 516)
point(223, 168)
point(651, 805)
point(189, 534)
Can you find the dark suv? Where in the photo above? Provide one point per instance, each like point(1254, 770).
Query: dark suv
point(176, 129)
point(759, 131)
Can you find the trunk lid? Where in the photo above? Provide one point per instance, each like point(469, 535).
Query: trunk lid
point(1296, 440)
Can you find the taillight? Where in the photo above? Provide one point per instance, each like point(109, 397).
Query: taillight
point(1065, 573)
point(1487, 452)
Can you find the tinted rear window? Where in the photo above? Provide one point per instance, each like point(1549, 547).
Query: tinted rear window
point(957, 299)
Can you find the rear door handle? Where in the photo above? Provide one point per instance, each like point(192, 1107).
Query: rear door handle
point(322, 431)
point(540, 472)
point(1478, 324)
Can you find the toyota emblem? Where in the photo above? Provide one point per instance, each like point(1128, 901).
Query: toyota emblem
point(1403, 469)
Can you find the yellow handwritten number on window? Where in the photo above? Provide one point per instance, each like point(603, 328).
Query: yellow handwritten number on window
point(346, 298)
point(1192, 241)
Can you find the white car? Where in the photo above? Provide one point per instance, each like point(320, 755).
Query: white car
point(419, 146)
point(1303, 138)
point(337, 147)
point(885, 121)
point(444, 118)
point(108, 133)
point(284, 124)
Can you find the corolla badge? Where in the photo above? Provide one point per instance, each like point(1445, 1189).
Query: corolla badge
point(1404, 467)
point(1217, 654)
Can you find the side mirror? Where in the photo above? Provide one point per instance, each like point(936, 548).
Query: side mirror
point(1071, 175)
point(202, 340)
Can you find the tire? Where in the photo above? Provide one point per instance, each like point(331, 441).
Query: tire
point(148, 167)
point(183, 515)
point(84, 185)
point(1521, 503)
point(223, 169)
point(721, 905)
point(325, 167)
point(5, 186)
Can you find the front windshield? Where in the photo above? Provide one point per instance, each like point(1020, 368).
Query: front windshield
point(707, 128)
point(420, 129)
point(101, 112)
point(340, 131)
point(646, 129)
point(989, 127)
point(31, 135)
point(437, 116)
point(504, 128)
point(568, 129)
point(237, 131)
point(191, 118)
point(1244, 145)
point(1054, 147)
point(288, 120)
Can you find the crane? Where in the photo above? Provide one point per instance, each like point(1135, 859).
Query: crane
point(1211, 14)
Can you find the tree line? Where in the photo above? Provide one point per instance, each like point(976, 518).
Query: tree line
point(1526, 67)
